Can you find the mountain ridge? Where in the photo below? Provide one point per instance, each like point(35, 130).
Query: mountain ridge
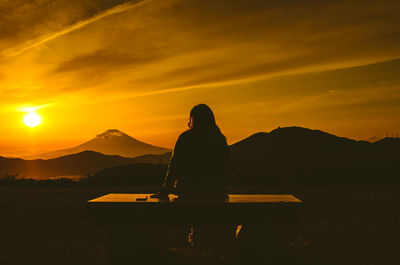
point(110, 142)
point(86, 162)
point(299, 155)
point(281, 155)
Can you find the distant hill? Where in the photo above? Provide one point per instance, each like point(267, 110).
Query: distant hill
point(300, 156)
point(111, 142)
point(389, 142)
point(153, 159)
point(86, 162)
point(141, 174)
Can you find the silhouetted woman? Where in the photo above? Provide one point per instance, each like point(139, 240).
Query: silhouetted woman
point(200, 163)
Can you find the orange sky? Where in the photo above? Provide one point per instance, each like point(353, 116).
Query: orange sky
point(139, 66)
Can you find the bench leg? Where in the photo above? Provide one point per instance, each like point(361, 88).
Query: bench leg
point(238, 228)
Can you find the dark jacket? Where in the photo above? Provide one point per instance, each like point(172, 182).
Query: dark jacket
point(200, 165)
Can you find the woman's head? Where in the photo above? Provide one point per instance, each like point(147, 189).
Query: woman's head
point(202, 118)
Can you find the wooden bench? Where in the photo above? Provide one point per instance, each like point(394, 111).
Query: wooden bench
point(137, 221)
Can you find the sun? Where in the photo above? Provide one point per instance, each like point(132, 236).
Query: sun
point(32, 119)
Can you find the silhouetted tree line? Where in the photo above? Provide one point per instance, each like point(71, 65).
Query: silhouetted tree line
point(13, 180)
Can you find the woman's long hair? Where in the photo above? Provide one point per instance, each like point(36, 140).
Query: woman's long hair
point(204, 120)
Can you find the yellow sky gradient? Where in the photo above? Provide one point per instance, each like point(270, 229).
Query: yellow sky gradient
point(139, 66)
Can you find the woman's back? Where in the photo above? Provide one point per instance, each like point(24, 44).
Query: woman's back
point(200, 164)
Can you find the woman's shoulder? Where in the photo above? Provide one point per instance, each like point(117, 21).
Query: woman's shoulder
point(185, 135)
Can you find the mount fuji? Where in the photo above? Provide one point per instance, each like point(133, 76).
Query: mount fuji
point(110, 142)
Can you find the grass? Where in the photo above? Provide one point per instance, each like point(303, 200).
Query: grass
point(50, 226)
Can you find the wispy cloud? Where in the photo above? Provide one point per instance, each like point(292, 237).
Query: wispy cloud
point(14, 51)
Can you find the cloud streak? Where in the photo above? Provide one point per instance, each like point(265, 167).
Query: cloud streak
point(11, 52)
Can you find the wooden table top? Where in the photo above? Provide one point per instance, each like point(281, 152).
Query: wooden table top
point(232, 198)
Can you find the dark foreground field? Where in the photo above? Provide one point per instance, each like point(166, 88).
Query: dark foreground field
point(340, 226)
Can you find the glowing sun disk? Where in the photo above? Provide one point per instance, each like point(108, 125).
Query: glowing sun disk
point(32, 119)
